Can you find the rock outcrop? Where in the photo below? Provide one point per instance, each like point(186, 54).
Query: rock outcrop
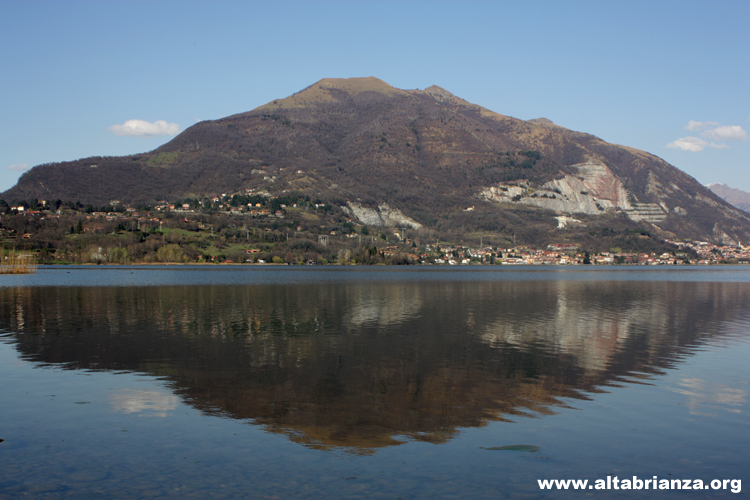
point(594, 190)
point(382, 216)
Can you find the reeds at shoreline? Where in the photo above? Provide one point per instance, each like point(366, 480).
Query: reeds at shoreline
point(15, 263)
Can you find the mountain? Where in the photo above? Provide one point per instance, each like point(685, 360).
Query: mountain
point(735, 197)
point(423, 159)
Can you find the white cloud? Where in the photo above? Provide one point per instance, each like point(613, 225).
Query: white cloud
point(694, 144)
point(694, 125)
point(689, 144)
point(710, 130)
point(726, 133)
point(142, 128)
point(19, 167)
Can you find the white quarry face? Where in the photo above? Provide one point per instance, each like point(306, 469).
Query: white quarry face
point(593, 191)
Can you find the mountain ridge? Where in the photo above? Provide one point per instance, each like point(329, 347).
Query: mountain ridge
point(426, 153)
point(736, 197)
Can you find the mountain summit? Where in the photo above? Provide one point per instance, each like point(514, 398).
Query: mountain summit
point(417, 158)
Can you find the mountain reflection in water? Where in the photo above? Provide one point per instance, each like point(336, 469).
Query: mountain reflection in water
point(359, 366)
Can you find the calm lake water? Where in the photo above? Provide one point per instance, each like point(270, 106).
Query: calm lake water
point(370, 383)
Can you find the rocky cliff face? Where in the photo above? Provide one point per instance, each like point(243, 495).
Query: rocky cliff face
point(407, 158)
point(592, 191)
point(382, 216)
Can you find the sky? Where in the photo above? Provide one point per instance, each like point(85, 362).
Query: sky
point(109, 78)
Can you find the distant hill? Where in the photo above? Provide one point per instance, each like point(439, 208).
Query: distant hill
point(735, 197)
point(424, 159)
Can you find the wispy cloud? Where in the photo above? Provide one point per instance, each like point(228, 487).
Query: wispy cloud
point(142, 128)
point(717, 133)
point(694, 125)
point(19, 167)
point(689, 144)
point(726, 133)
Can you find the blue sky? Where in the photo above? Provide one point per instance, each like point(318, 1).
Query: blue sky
point(86, 78)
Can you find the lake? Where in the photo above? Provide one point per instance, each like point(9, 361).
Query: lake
point(172, 382)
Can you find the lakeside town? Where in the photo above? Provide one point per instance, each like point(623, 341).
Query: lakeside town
point(255, 228)
point(563, 254)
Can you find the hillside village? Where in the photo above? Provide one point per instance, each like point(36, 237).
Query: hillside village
point(251, 227)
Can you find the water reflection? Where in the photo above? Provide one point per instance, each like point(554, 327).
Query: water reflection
point(144, 403)
point(362, 366)
point(705, 398)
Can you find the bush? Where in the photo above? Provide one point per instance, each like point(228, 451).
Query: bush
point(170, 253)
